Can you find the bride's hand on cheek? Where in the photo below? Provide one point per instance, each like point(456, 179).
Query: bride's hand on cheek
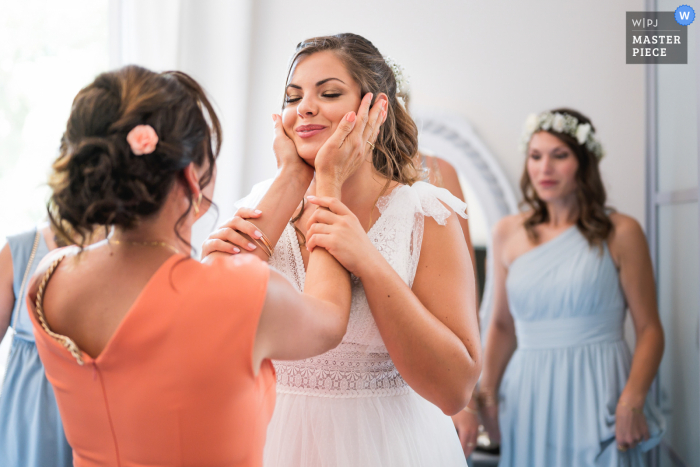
point(348, 147)
point(286, 151)
point(338, 231)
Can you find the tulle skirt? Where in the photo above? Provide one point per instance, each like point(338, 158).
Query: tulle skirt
point(392, 431)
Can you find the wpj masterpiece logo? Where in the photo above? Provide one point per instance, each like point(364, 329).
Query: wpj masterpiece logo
point(659, 36)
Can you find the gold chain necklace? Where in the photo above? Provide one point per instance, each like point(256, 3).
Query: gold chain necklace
point(111, 239)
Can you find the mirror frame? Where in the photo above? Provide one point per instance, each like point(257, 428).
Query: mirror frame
point(452, 138)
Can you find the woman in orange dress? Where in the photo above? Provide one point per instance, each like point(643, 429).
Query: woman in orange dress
point(155, 358)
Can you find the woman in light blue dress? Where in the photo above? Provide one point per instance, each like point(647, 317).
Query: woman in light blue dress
point(560, 386)
point(31, 432)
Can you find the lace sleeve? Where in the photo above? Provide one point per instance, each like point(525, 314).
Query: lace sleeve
point(430, 205)
point(255, 196)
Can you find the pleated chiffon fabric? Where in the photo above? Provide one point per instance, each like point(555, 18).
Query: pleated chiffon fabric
point(31, 431)
point(560, 390)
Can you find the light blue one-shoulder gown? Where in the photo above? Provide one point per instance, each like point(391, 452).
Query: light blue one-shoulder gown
point(31, 432)
point(560, 390)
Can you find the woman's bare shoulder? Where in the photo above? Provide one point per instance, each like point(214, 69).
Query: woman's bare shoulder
point(627, 235)
point(623, 223)
point(508, 226)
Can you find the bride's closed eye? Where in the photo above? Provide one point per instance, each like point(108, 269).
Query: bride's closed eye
point(330, 95)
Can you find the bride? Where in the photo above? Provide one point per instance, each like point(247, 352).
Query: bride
point(411, 355)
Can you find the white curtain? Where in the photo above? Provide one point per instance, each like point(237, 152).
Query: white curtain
point(211, 41)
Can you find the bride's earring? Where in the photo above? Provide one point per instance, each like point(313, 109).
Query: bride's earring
point(195, 204)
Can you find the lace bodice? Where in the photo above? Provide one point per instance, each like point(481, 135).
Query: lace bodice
point(361, 365)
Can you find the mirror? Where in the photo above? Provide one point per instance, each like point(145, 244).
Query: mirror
point(486, 188)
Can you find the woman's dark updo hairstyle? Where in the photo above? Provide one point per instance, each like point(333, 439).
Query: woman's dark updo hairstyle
point(594, 221)
point(98, 181)
point(397, 143)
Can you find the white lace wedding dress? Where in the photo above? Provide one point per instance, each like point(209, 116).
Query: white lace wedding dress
point(350, 406)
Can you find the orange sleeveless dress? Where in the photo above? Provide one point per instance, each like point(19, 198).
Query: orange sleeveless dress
point(174, 385)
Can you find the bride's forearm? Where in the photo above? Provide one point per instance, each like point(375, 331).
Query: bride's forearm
point(326, 278)
point(429, 356)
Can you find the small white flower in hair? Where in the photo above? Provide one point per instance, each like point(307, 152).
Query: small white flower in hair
point(582, 132)
point(531, 123)
point(142, 139)
point(558, 123)
point(400, 75)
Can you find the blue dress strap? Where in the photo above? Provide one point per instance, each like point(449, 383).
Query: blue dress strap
point(27, 250)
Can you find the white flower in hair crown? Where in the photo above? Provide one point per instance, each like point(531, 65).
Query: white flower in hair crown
point(561, 123)
point(400, 76)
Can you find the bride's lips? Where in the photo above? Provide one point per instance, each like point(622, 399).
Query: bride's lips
point(307, 131)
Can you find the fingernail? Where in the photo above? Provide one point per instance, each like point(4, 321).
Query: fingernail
point(351, 117)
point(310, 197)
point(257, 211)
point(371, 96)
point(251, 246)
point(257, 234)
point(273, 118)
point(236, 250)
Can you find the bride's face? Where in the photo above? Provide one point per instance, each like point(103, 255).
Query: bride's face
point(319, 94)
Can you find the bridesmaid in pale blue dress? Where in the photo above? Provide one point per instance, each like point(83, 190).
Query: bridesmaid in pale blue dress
point(560, 386)
point(31, 432)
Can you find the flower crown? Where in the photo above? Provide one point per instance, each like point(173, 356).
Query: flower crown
point(562, 123)
point(401, 78)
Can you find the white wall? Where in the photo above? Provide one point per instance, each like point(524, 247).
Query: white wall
point(493, 62)
point(210, 41)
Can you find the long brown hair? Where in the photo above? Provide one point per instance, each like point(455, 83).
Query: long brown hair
point(394, 155)
point(593, 221)
point(97, 181)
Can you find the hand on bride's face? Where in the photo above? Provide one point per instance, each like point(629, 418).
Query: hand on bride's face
point(319, 94)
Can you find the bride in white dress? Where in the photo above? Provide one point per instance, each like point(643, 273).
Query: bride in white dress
point(411, 354)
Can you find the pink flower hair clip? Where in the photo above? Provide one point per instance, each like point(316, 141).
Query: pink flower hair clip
point(142, 139)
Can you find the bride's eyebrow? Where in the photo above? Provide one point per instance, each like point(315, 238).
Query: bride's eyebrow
point(320, 83)
point(324, 81)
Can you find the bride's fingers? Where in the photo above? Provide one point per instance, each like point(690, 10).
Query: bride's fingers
point(374, 121)
point(279, 129)
point(230, 235)
point(319, 229)
point(375, 134)
point(333, 204)
point(363, 115)
point(323, 216)
point(213, 245)
point(318, 240)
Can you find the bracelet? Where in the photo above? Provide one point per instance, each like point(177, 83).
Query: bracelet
point(487, 397)
point(471, 411)
point(632, 409)
point(263, 241)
